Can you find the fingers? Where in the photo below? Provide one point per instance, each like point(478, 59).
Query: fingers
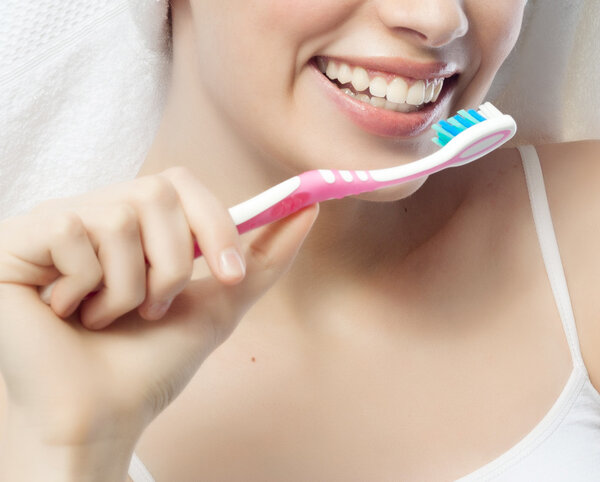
point(71, 250)
point(121, 258)
point(174, 207)
point(170, 209)
point(168, 244)
point(132, 244)
point(211, 225)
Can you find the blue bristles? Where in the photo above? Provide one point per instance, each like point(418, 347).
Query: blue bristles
point(450, 128)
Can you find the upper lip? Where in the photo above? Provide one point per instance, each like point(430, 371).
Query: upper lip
point(402, 67)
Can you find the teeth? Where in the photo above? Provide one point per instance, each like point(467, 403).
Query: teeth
point(360, 79)
point(332, 70)
point(378, 101)
point(397, 95)
point(406, 108)
point(397, 90)
point(378, 87)
point(344, 74)
point(381, 102)
point(439, 83)
point(429, 91)
point(416, 93)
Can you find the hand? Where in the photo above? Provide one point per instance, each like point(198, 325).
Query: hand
point(81, 368)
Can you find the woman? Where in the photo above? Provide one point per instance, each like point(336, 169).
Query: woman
point(412, 338)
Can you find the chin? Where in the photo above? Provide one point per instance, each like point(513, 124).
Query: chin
point(393, 193)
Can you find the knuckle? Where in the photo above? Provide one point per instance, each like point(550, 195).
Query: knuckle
point(262, 257)
point(178, 172)
point(160, 395)
point(93, 275)
point(173, 281)
point(129, 300)
point(138, 296)
point(67, 225)
point(157, 189)
point(122, 220)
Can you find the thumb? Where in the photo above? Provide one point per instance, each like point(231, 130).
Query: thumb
point(268, 256)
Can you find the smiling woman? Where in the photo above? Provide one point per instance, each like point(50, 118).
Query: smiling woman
point(427, 336)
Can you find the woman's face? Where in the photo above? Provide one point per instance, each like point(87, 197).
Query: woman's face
point(262, 66)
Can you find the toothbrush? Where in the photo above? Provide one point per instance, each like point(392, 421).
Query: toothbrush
point(467, 136)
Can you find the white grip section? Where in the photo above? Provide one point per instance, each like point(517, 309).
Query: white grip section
point(327, 175)
point(243, 211)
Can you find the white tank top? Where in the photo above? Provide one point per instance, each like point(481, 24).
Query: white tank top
point(565, 444)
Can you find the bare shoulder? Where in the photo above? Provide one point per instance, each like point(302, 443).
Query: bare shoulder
point(571, 174)
point(580, 155)
point(572, 177)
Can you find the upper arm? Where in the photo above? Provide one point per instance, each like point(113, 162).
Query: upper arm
point(572, 178)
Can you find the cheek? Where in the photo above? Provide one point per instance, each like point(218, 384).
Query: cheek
point(304, 18)
point(250, 53)
point(496, 27)
point(249, 41)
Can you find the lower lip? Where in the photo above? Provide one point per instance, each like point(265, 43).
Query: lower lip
point(383, 122)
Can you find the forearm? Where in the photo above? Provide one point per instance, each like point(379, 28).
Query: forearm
point(26, 457)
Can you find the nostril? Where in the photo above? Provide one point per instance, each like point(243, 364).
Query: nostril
point(434, 23)
point(409, 32)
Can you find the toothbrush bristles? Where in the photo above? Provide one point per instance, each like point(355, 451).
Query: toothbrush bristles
point(448, 129)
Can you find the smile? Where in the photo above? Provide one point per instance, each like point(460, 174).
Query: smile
point(387, 96)
point(381, 89)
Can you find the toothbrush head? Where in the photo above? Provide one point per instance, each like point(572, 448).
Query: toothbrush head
point(448, 129)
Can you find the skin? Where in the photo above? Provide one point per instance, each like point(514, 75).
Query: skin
point(370, 312)
point(218, 100)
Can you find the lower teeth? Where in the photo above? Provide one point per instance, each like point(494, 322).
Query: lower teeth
point(382, 103)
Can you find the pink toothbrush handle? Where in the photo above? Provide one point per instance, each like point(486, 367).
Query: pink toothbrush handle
point(316, 186)
point(321, 185)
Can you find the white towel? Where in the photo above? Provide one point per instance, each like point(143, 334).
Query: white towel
point(82, 87)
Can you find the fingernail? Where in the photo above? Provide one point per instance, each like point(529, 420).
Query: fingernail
point(231, 263)
point(46, 292)
point(157, 310)
point(97, 325)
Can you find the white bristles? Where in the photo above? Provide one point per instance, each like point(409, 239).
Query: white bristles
point(485, 112)
point(489, 110)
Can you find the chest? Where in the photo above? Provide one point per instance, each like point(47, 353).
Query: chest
point(431, 394)
point(268, 408)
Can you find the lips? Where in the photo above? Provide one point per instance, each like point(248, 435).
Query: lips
point(387, 97)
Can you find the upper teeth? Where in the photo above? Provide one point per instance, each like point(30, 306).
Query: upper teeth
point(398, 90)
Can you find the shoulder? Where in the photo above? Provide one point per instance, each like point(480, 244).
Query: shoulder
point(573, 161)
point(582, 154)
point(572, 178)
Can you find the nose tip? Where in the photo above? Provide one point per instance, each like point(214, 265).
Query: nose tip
point(434, 23)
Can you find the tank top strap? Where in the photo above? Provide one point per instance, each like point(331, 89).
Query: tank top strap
point(138, 471)
point(549, 247)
